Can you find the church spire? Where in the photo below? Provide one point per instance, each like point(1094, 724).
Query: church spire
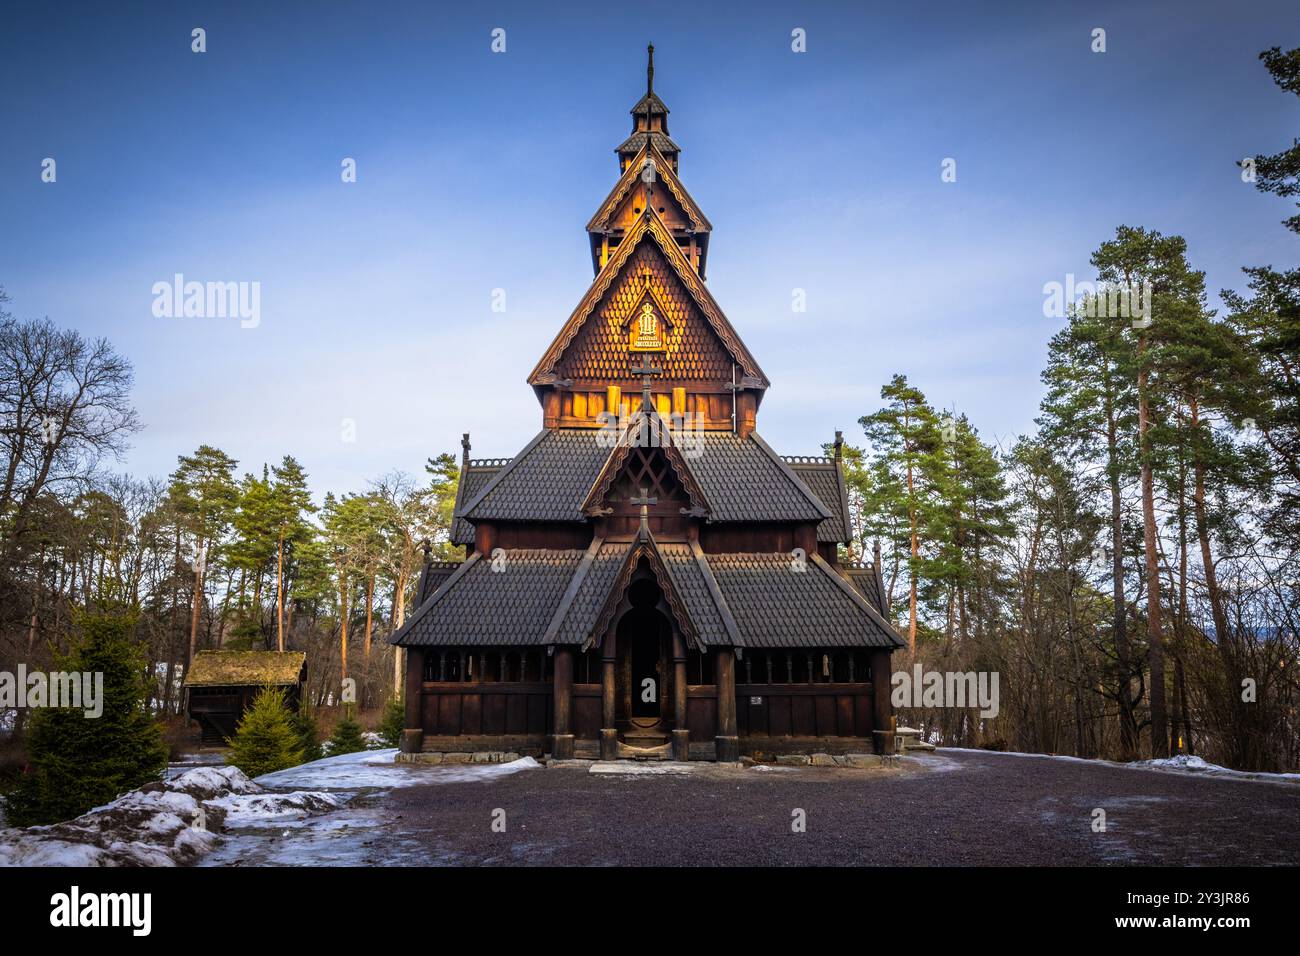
point(649, 122)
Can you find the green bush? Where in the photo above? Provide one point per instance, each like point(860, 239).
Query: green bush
point(77, 762)
point(394, 721)
point(265, 739)
point(347, 737)
point(304, 725)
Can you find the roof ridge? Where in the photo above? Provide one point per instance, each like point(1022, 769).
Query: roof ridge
point(505, 470)
point(799, 482)
point(435, 597)
point(715, 592)
point(858, 597)
point(571, 592)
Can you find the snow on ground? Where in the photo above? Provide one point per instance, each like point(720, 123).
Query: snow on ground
point(1183, 763)
point(632, 768)
point(378, 768)
point(164, 823)
point(303, 815)
point(344, 836)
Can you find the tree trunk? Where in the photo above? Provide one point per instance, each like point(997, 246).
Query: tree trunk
point(1155, 640)
point(279, 594)
point(1222, 639)
point(1128, 731)
point(196, 604)
point(343, 625)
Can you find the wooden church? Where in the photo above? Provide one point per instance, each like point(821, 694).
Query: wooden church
point(647, 577)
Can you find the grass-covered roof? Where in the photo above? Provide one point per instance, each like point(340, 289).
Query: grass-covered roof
point(235, 668)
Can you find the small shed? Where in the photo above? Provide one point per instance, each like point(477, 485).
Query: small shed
point(223, 684)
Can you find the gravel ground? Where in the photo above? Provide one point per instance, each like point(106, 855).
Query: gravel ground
point(954, 807)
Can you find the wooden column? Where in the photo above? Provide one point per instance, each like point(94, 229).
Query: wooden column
point(562, 688)
point(681, 733)
point(608, 732)
point(726, 744)
point(413, 731)
point(882, 707)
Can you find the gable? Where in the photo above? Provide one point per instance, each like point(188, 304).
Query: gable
point(679, 209)
point(702, 327)
point(653, 465)
point(692, 350)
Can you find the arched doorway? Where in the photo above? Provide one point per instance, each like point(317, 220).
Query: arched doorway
point(643, 645)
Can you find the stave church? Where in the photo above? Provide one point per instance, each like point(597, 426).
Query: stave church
point(647, 578)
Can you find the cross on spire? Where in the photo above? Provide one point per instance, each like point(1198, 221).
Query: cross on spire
point(646, 371)
point(645, 500)
point(650, 70)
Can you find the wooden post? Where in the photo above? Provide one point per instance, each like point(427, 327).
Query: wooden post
point(882, 708)
point(681, 733)
point(413, 731)
point(608, 732)
point(562, 744)
point(726, 744)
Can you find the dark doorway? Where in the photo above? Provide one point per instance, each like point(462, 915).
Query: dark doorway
point(647, 681)
point(644, 639)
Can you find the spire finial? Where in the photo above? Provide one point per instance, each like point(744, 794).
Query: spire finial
point(650, 70)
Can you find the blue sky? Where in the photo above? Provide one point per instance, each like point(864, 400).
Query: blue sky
point(478, 171)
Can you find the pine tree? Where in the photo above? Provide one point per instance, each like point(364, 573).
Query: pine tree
point(1269, 321)
point(904, 438)
point(79, 762)
point(1133, 258)
point(204, 493)
point(1090, 414)
point(265, 739)
point(394, 720)
point(290, 503)
point(308, 733)
point(347, 737)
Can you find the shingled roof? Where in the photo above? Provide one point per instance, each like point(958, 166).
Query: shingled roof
point(245, 668)
point(741, 477)
point(700, 593)
point(649, 228)
point(547, 481)
point(865, 579)
point(636, 142)
point(504, 600)
point(776, 606)
point(588, 593)
point(824, 477)
point(473, 477)
point(435, 574)
point(744, 480)
point(558, 596)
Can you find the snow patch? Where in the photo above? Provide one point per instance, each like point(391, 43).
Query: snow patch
point(164, 823)
point(630, 768)
point(379, 769)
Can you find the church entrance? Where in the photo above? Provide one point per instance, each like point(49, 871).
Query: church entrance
point(644, 648)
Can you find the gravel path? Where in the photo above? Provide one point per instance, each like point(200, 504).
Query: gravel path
point(954, 807)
